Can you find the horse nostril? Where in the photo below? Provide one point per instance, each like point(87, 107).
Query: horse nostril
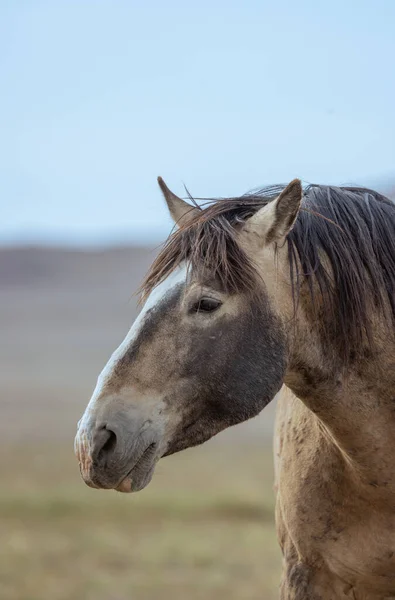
point(110, 444)
point(104, 444)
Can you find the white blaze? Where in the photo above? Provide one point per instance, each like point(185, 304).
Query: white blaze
point(176, 277)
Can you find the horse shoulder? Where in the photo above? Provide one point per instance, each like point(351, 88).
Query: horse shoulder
point(336, 543)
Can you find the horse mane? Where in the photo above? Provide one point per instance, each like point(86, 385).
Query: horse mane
point(354, 228)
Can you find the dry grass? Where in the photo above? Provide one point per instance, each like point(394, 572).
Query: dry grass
point(203, 529)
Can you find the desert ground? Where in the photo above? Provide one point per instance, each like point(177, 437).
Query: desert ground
point(204, 528)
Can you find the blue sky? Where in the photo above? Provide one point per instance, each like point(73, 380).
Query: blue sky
point(100, 97)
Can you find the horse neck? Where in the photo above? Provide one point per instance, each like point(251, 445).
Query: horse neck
point(355, 405)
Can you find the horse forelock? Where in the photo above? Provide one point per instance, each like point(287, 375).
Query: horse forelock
point(342, 246)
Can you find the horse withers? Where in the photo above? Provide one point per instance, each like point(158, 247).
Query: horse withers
point(286, 290)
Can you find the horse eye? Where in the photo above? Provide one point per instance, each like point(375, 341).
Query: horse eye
point(206, 305)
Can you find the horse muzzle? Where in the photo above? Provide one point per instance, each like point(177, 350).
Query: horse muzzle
point(120, 454)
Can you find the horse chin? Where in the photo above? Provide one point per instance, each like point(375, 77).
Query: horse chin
point(141, 474)
point(125, 486)
point(136, 480)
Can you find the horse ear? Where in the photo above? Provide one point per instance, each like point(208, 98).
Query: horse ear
point(275, 220)
point(180, 210)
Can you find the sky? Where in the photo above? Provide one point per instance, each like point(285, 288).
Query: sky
point(99, 97)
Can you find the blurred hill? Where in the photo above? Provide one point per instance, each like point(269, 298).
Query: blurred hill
point(62, 313)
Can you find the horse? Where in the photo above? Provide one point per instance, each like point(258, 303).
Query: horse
point(287, 291)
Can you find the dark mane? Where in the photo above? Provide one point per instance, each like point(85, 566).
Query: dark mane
point(353, 227)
